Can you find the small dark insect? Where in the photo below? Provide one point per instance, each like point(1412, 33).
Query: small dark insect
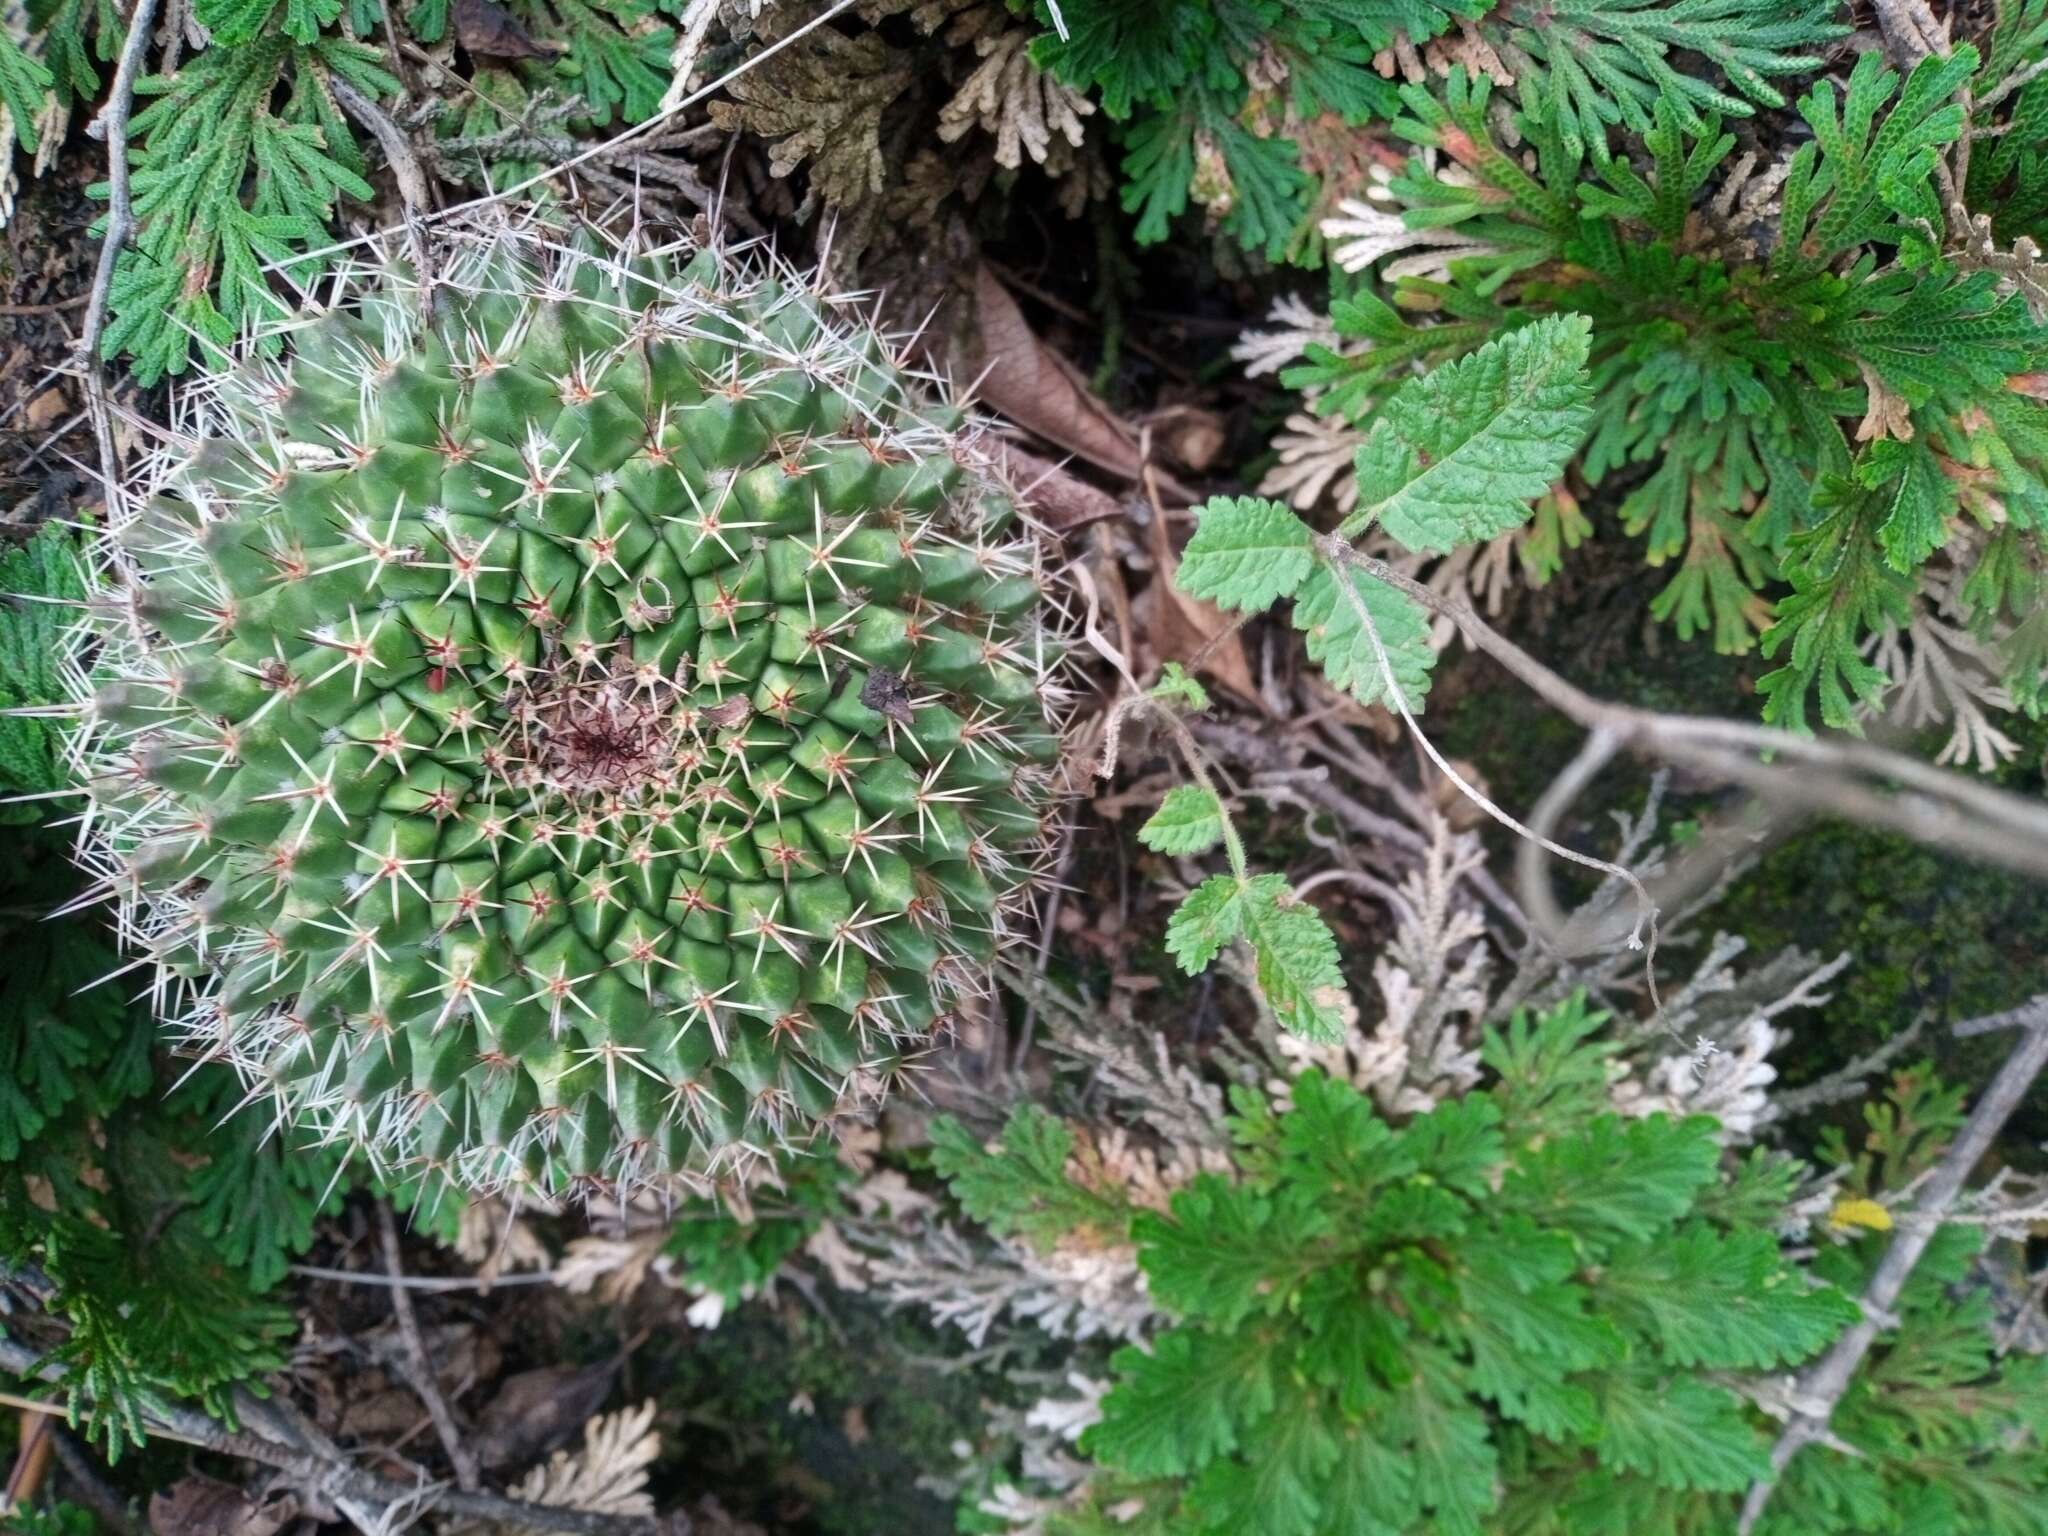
point(885, 694)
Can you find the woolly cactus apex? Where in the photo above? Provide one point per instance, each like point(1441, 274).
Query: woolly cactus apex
point(586, 729)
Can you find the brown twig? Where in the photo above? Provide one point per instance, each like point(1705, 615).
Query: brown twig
point(1822, 1384)
point(113, 127)
point(1910, 30)
point(328, 1478)
point(85, 1481)
point(32, 1460)
point(419, 1363)
point(405, 165)
point(428, 1284)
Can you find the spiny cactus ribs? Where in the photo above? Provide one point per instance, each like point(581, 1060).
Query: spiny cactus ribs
point(585, 728)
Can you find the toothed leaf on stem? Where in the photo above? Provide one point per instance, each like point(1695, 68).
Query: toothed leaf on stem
point(1337, 638)
point(1212, 915)
point(1246, 553)
point(1458, 454)
point(1189, 820)
point(1177, 685)
point(1297, 961)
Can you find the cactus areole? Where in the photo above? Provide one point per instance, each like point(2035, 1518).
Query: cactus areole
point(586, 727)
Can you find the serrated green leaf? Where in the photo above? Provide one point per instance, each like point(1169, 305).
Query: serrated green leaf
point(1226, 1251)
point(1333, 1136)
point(1457, 1144)
point(1246, 553)
point(1552, 1068)
point(1613, 61)
point(1298, 971)
point(232, 21)
point(1338, 640)
point(1370, 1491)
point(37, 580)
point(256, 1196)
point(1843, 587)
point(1273, 1490)
point(1619, 1181)
point(25, 83)
point(1458, 454)
point(1020, 1187)
point(1189, 820)
point(1720, 1300)
point(1448, 1447)
point(1268, 189)
point(1919, 500)
point(1212, 915)
point(1177, 685)
point(1679, 1433)
point(1184, 1403)
point(1526, 1324)
point(1159, 165)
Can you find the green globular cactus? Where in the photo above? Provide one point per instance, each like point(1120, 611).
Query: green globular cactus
point(583, 723)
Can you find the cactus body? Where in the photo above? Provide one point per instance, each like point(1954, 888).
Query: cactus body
point(584, 728)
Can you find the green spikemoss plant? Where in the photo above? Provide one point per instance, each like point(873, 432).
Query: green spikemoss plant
point(583, 724)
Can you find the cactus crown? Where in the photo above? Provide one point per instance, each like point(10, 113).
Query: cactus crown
point(583, 725)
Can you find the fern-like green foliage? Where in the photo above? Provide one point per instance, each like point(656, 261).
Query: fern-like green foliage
point(36, 580)
point(243, 157)
point(1801, 402)
point(1517, 1313)
point(1380, 1327)
point(24, 82)
point(229, 184)
point(1205, 120)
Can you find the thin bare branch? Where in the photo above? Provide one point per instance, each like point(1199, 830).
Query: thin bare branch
point(113, 127)
point(419, 1363)
point(1832, 775)
point(2028, 1013)
point(1822, 1384)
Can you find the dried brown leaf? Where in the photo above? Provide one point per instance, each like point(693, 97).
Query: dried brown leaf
point(205, 1506)
point(1057, 499)
point(538, 1410)
point(487, 30)
point(1025, 380)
